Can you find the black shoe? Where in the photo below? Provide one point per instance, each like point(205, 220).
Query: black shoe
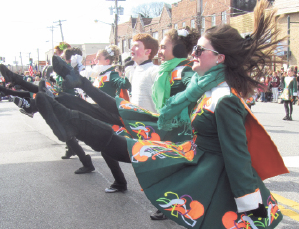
point(158, 215)
point(61, 67)
point(4, 72)
point(73, 80)
point(9, 76)
point(290, 118)
point(87, 165)
point(112, 189)
point(68, 154)
point(30, 114)
point(286, 117)
point(84, 169)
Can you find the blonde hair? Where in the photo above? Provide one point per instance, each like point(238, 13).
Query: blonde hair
point(111, 53)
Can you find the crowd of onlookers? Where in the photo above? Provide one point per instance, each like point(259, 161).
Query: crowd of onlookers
point(273, 86)
point(35, 78)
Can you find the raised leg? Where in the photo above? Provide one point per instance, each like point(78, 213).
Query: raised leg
point(66, 124)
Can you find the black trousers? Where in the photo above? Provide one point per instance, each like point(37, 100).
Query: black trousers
point(288, 110)
point(106, 111)
point(21, 94)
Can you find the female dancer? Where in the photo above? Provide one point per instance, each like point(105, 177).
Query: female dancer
point(214, 180)
point(289, 85)
point(178, 73)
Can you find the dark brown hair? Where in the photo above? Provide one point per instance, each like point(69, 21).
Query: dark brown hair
point(246, 58)
point(189, 41)
point(149, 43)
point(68, 53)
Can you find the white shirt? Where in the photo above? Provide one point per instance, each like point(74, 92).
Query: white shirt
point(142, 78)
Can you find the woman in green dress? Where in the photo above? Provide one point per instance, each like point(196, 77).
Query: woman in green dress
point(215, 179)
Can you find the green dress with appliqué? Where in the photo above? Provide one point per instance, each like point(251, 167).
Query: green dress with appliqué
point(111, 83)
point(143, 125)
point(204, 182)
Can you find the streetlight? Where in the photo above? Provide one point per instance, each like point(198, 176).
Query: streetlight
point(112, 24)
point(118, 10)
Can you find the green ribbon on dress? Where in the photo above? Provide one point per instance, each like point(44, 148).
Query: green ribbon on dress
point(175, 112)
point(161, 87)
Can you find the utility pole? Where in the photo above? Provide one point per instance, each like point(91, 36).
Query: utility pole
point(21, 62)
point(37, 59)
point(59, 23)
point(16, 63)
point(52, 29)
point(116, 17)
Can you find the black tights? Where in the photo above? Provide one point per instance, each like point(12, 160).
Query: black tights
point(26, 85)
point(101, 98)
point(288, 110)
point(93, 110)
point(67, 123)
point(22, 94)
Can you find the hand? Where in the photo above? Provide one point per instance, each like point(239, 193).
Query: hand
point(261, 211)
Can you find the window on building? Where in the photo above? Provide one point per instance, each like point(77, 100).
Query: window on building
point(192, 24)
point(203, 24)
point(130, 43)
point(176, 26)
point(223, 17)
point(184, 24)
point(213, 20)
point(124, 46)
point(156, 35)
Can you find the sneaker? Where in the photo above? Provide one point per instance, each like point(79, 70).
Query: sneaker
point(26, 113)
point(21, 102)
point(158, 215)
point(113, 190)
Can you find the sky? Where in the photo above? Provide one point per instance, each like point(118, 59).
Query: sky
point(26, 25)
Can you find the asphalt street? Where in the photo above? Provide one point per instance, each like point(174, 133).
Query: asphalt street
point(40, 190)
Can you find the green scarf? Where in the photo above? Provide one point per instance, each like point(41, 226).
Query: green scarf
point(175, 112)
point(161, 87)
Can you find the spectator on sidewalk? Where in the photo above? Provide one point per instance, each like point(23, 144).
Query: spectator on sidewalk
point(275, 82)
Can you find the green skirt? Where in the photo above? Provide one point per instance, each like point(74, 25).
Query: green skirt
point(188, 185)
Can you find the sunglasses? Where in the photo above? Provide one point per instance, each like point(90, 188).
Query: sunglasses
point(197, 49)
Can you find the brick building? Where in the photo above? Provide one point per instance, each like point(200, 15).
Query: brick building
point(185, 13)
point(244, 24)
point(198, 14)
point(214, 13)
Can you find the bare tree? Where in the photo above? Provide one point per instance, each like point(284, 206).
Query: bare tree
point(153, 9)
point(156, 8)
